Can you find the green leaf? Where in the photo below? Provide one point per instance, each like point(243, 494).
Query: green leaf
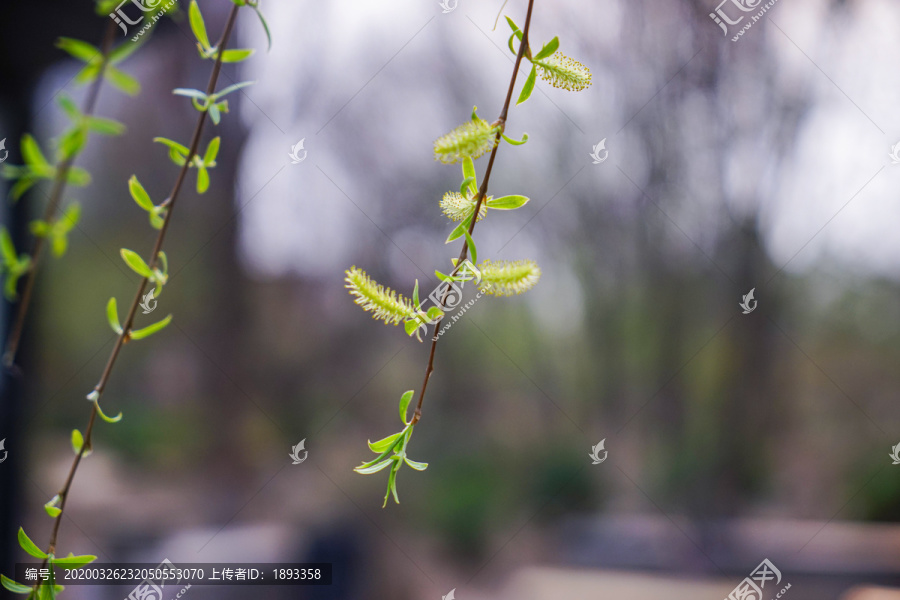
point(39, 228)
point(460, 229)
point(103, 415)
point(468, 169)
point(122, 80)
point(51, 507)
point(415, 295)
point(548, 49)
point(112, 317)
point(385, 443)
point(197, 25)
point(471, 244)
point(32, 154)
point(404, 402)
point(233, 56)
point(214, 113)
point(190, 93)
point(78, 442)
point(78, 176)
point(392, 484)
point(232, 88)
point(374, 468)
point(528, 87)
point(69, 107)
point(105, 126)
point(74, 562)
point(177, 152)
point(435, 313)
point(513, 142)
point(7, 249)
point(140, 195)
point(69, 218)
point(137, 264)
point(150, 330)
point(212, 151)
point(88, 74)
point(15, 588)
point(418, 466)
point(265, 25)
point(79, 49)
point(29, 546)
point(467, 183)
point(202, 180)
point(507, 203)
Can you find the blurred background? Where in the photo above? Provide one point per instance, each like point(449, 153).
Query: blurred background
point(758, 164)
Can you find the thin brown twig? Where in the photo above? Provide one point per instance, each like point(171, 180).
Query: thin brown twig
point(124, 336)
point(482, 194)
point(56, 194)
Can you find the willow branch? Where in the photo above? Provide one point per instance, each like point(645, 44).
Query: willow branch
point(482, 194)
point(124, 336)
point(56, 194)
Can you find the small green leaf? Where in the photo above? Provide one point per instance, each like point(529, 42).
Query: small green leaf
point(233, 56)
point(374, 468)
point(112, 317)
point(190, 93)
point(29, 546)
point(214, 113)
point(202, 180)
point(232, 88)
point(150, 329)
point(78, 49)
point(39, 228)
point(212, 151)
point(265, 25)
point(548, 49)
point(418, 466)
point(177, 152)
point(122, 80)
point(404, 402)
point(78, 176)
point(15, 588)
point(103, 415)
point(467, 183)
point(74, 562)
point(137, 264)
point(507, 203)
point(197, 24)
point(32, 154)
point(78, 443)
point(471, 245)
point(410, 327)
point(140, 195)
point(460, 229)
point(435, 313)
point(51, 507)
point(7, 249)
point(385, 443)
point(468, 169)
point(528, 87)
point(69, 107)
point(513, 142)
point(105, 126)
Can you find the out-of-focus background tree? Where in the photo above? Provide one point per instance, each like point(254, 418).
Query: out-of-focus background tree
point(761, 163)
